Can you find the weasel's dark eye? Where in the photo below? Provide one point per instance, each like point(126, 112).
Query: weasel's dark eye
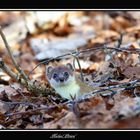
point(66, 74)
point(55, 76)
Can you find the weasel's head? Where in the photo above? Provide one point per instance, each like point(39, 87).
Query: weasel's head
point(60, 75)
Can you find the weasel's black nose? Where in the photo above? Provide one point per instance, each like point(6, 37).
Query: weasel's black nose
point(61, 79)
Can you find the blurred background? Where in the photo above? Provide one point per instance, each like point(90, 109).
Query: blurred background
point(35, 36)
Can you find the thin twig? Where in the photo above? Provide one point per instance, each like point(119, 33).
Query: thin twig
point(7, 70)
point(20, 103)
point(11, 56)
point(20, 92)
point(80, 99)
point(120, 41)
point(137, 51)
point(37, 90)
point(77, 59)
point(46, 108)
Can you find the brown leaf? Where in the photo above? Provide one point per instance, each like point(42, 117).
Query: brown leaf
point(132, 72)
point(68, 121)
point(128, 108)
point(109, 102)
point(4, 108)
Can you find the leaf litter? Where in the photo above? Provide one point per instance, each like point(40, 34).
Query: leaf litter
point(61, 33)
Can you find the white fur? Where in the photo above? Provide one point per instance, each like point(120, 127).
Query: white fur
point(56, 84)
point(69, 87)
point(67, 90)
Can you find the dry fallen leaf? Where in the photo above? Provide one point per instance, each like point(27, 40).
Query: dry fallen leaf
point(132, 72)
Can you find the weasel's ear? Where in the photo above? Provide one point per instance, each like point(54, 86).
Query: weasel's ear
point(49, 69)
point(70, 66)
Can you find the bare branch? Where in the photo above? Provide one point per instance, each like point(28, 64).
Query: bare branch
point(135, 51)
point(6, 69)
point(77, 59)
point(80, 99)
point(31, 86)
point(20, 103)
point(11, 56)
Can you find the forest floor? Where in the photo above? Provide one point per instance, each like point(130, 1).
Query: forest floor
point(107, 45)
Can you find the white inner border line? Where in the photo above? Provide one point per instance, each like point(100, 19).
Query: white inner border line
point(69, 9)
point(75, 130)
